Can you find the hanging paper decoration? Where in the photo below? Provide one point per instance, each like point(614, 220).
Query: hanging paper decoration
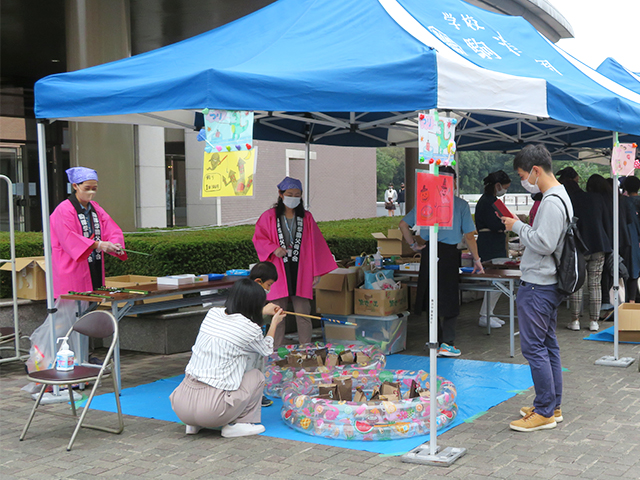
point(229, 156)
point(434, 204)
point(436, 136)
point(229, 174)
point(623, 158)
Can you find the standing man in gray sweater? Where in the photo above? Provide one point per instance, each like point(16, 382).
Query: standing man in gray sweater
point(538, 298)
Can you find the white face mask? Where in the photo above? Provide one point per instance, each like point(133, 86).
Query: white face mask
point(501, 191)
point(531, 188)
point(291, 202)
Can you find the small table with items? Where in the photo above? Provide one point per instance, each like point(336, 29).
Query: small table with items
point(495, 280)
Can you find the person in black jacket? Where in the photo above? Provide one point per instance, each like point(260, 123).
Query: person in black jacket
point(492, 239)
point(631, 186)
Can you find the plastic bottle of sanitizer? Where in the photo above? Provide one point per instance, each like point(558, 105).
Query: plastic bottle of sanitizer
point(65, 358)
point(377, 258)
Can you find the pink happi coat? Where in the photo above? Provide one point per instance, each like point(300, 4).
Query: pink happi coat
point(70, 249)
point(315, 257)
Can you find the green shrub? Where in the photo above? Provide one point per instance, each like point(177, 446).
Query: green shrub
point(214, 250)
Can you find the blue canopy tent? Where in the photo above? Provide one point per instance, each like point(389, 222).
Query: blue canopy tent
point(613, 70)
point(355, 72)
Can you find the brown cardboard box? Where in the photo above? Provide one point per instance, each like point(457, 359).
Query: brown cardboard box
point(340, 332)
point(629, 322)
point(380, 303)
point(30, 277)
point(128, 281)
point(393, 243)
point(334, 292)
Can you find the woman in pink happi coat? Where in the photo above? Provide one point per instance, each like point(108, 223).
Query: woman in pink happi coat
point(288, 236)
point(81, 233)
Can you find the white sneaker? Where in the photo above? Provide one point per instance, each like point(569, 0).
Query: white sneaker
point(495, 323)
point(574, 325)
point(594, 326)
point(241, 430)
point(192, 429)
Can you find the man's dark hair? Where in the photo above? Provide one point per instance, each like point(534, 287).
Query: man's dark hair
point(247, 298)
point(264, 271)
point(631, 184)
point(533, 156)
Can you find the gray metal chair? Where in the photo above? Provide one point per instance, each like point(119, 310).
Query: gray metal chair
point(97, 324)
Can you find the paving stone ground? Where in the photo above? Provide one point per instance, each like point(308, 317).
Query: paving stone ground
point(599, 438)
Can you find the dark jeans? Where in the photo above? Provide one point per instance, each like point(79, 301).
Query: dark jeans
point(538, 318)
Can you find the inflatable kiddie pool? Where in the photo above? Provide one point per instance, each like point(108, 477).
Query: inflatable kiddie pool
point(379, 420)
point(276, 376)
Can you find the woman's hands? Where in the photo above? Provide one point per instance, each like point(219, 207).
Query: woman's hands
point(316, 280)
point(108, 247)
point(278, 318)
point(279, 252)
point(270, 309)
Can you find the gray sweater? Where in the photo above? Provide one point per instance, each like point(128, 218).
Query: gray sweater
point(544, 238)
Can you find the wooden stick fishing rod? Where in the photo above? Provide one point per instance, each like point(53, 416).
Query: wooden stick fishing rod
point(324, 319)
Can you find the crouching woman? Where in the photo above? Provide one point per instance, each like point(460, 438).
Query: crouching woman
point(216, 390)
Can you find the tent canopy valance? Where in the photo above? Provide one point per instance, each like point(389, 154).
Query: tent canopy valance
point(353, 72)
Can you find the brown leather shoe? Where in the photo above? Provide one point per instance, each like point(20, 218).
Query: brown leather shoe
point(533, 422)
point(557, 413)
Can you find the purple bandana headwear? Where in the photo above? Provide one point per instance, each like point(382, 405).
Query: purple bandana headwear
point(81, 174)
point(288, 183)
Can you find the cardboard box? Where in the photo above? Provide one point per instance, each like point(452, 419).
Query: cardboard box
point(128, 281)
point(334, 292)
point(629, 322)
point(30, 277)
point(380, 303)
point(393, 243)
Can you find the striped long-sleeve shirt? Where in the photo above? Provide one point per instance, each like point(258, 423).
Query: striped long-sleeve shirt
point(222, 349)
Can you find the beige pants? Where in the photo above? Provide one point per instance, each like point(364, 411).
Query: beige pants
point(300, 305)
point(202, 405)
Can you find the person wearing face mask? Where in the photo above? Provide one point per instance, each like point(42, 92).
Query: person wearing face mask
point(448, 268)
point(390, 198)
point(492, 239)
point(81, 233)
point(288, 236)
point(538, 297)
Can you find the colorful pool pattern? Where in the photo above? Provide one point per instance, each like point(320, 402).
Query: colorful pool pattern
point(276, 376)
point(372, 421)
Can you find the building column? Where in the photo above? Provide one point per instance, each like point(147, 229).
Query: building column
point(410, 166)
point(98, 31)
point(200, 211)
point(151, 207)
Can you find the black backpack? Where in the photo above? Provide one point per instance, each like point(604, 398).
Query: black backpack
point(572, 267)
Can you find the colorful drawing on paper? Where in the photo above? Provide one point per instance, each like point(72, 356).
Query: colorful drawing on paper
point(229, 174)
point(623, 159)
point(436, 139)
point(227, 130)
point(434, 205)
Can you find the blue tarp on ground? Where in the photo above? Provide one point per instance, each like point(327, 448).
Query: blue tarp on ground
point(480, 385)
point(350, 56)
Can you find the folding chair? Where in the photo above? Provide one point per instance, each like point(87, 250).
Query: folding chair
point(97, 324)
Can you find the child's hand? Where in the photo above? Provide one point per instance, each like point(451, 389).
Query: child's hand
point(270, 309)
point(278, 316)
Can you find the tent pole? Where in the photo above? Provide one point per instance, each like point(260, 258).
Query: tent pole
point(306, 174)
point(46, 233)
point(615, 360)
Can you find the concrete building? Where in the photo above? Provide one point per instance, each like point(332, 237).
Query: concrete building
point(151, 177)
